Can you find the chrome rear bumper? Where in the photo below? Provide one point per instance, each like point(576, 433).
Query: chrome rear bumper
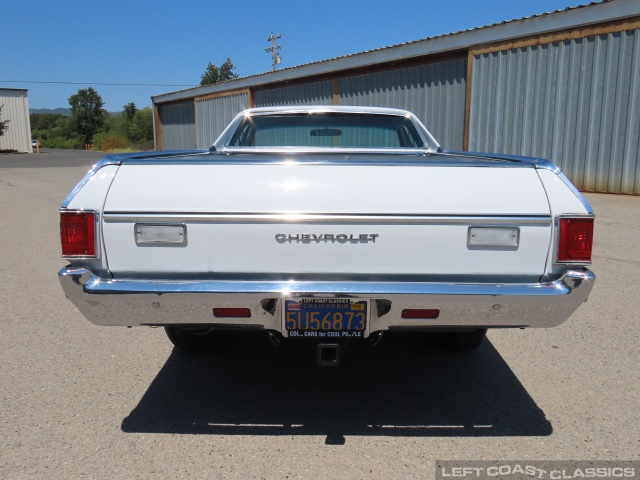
point(163, 302)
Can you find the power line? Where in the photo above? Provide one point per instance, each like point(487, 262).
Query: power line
point(101, 83)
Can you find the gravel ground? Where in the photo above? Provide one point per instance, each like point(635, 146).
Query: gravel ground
point(81, 401)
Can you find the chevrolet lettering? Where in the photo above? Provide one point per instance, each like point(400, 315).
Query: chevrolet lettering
point(326, 237)
point(326, 225)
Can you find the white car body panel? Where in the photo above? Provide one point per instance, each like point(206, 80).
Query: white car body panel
point(562, 201)
point(429, 248)
point(91, 197)
point(94, 193)
point(327, 189)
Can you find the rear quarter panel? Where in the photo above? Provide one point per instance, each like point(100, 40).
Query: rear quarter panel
point(564, 199)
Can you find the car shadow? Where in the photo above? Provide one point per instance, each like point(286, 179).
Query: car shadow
point(405, 386)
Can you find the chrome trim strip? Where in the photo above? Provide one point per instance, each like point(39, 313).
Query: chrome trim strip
point(94, 285)
point(69, 198)
point(325, 150)
point(103, 162)
point(538, 163)
point(299, 158)
point(321, 156)
point(483, 220)
point(542, 164)
point(576, 192)
point(319, 109)
point(327, 156)
point(164, 302)
point(429, 141)
point(486, 157)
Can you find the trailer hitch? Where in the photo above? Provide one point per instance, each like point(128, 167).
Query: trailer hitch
point(328, 354)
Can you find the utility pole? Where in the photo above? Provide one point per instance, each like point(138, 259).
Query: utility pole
point(273, 49)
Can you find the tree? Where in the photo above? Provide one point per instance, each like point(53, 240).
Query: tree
point(129, 111)
point(213, 74)
point(4, 124)
point(143, 123)
point(53, 130)
point(210, 76)
point(45, 121)
point(87, 116)
point(226, 71)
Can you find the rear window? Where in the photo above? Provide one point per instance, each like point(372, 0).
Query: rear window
point(327, 130)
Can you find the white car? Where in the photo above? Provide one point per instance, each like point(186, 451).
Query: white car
point(328, 223)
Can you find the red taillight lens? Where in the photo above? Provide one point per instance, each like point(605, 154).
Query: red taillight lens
point(418, 313)
point(575, 238)
point(232, 312)
point(77, 234)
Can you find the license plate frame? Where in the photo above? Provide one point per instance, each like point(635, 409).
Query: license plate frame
point(353, 321)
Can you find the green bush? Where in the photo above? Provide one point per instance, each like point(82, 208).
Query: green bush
point(105, 142)
point(73, 143)
point(132, 129)
point(143, 146)
point(61, 142)
point(98, 140)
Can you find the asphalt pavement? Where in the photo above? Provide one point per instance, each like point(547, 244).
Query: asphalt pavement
point(81, 401)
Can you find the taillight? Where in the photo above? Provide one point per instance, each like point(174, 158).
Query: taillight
point(78, 234)
point(575, 239)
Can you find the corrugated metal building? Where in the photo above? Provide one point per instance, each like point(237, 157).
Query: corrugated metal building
point(15, 108)
point(563, 85)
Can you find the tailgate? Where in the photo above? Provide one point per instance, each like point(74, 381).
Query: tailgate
point(326, 219)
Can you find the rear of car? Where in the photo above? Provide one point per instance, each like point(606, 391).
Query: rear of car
point(326, 224)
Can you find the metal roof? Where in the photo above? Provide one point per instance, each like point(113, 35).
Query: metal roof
point(571, 17)
point(14, 89)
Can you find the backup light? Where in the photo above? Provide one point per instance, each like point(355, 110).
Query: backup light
point(575, 240)
point(493, 236)
point(160, 234)
point(77, 233)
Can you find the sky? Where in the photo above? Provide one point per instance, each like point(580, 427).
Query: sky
point(169, 44)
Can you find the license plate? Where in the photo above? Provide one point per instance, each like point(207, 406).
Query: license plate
point(326, 317)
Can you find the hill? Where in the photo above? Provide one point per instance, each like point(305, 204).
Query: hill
point(61, 111)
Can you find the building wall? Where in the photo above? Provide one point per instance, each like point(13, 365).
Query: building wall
point(213, 114)
point(575, 102)
point(434, 92)
point(17, 136)
point(178, 125)
point(314, 93)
